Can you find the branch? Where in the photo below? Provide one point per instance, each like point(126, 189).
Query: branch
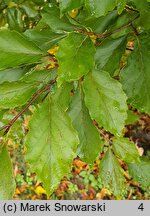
point(127, 7)
point(35, 96)
point(107, 34)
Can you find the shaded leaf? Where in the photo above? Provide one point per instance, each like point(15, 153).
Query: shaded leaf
point(135, 76)
point(144, 10)
point(109, 53)
point(120, 5)
point(106, 101)
point(90, 143)
point(144, 19)
point(45, 39)
point(132, 117)
point(125, 149)
point(14, 19)
point(68, 5)
point(99, 7)
point(15, 94)
point(16, 50)
point(63, 95)
point(51, 16)
point(112, 174)
point(141, 172)
point(12, 74)
point(42, 76)
point(52, 146)
point(98, 25)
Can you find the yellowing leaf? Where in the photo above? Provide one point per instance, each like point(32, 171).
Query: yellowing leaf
point(39, 190)
point(73, 13)
point(93, 38)
point(53, 50)
point(51, 65)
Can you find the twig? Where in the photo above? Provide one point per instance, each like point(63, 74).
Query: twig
point(134, 29)
point(107, 34)
point(127, 7)
point(35, 96)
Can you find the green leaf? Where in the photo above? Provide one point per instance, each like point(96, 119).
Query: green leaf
point(45, 39)
point(90, 144)
point(17, 50)
point(120, 5)
point(15, 94)
point(14, 19)
point(63, 95)
point(144, 10)
point(97, 25)
point(75, 57)
point(51, 16)
point(144, 19)
point(100, 7)
point(112, 175)
point(30, 8)
point(135, 76)
point(106, 101)
point(141, 172)
point(109, 53)
point(12, 74)
point(122, 20)
point(125, 149)
point(52, 146)
point(132, 117)
point(140, 4)
point(42, 76)
point(7, 183)
point(68, 5)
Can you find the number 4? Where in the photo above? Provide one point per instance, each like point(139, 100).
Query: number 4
point(141, 207)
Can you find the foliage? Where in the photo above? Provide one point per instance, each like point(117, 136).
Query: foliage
point(80, 64)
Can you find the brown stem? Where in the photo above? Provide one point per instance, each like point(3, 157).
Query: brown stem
point(35, 96)
point(134, 29)
point(127, 7)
